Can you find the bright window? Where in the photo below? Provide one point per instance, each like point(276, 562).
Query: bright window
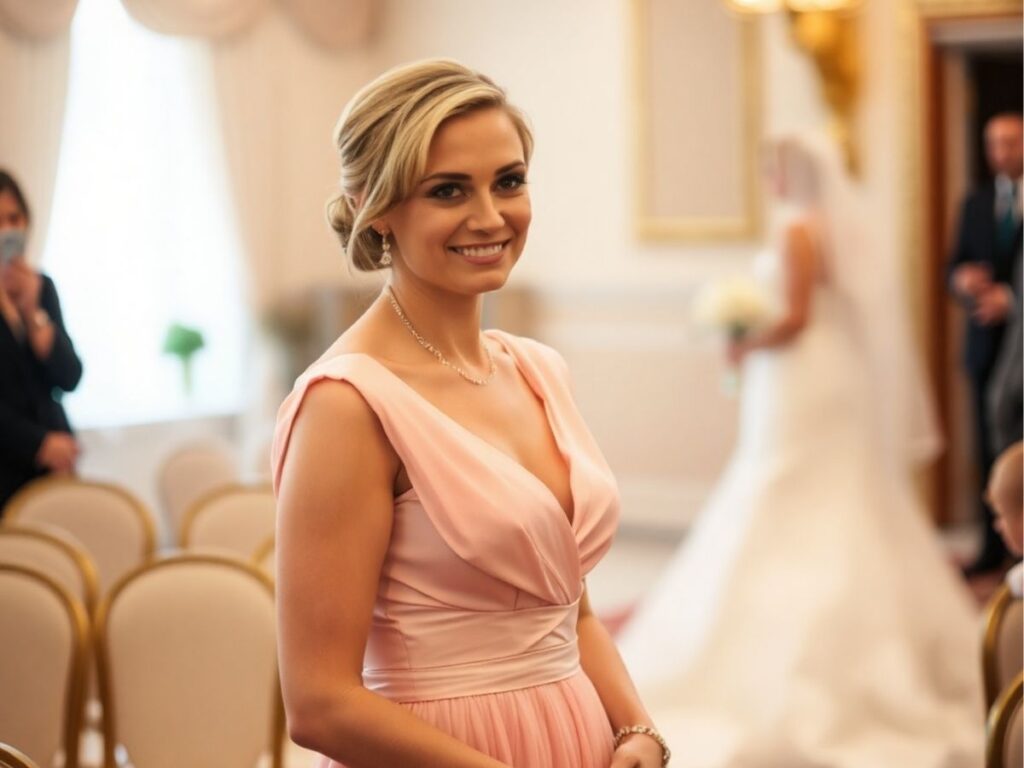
point(143, 231)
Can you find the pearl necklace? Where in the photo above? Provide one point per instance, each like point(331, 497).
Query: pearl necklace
point(437, 352)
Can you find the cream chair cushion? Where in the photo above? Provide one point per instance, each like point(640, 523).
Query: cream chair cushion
point(43, 647)
point(236, 519)
point(190, 473)
point(112, 525)
point(188, 664)
point(1013, 750)
point(1003, 646)
point(265, 557)
point(54, 552)
point(1005, 728)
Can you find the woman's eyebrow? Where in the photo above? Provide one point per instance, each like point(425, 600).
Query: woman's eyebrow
point(452, 176)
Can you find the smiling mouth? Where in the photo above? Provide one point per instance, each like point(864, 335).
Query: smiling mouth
point(480, 251)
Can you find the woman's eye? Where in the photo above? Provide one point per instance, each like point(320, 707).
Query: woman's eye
point(445, 191)
point(511, 182)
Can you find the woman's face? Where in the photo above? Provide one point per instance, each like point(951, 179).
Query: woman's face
point(13, 224)
point(464, 226)
point(11, 214)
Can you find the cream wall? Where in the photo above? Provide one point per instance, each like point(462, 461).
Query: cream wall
point(648, 383)
point(617, 308)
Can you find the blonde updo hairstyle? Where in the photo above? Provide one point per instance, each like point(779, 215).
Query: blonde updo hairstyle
point(383, 138)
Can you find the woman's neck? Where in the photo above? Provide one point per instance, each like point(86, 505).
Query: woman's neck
point(449, 321)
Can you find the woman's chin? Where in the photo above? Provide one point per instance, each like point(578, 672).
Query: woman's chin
point(488, 281)
point(486, 278)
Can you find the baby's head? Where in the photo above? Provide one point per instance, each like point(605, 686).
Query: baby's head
point(1005, 494)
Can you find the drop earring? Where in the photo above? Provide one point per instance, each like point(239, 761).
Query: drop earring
point(385, 256)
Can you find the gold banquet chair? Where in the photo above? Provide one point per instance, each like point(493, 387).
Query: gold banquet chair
point(56, 553)
point(10, 757)
point(1002, 650)
point(235, 519)
point(189, 474)
point(188, 666)
point(1005, 741)
point(115, 528)
point(43, 654)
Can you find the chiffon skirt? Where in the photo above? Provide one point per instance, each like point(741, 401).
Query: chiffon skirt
point(556, 725)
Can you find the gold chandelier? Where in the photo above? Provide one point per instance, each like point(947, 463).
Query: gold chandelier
point(798, 6)
point(826, 30)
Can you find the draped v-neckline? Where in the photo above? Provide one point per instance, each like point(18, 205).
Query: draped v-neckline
point(570, 517)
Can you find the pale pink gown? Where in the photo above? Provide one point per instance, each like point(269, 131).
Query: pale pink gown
point(474, 628)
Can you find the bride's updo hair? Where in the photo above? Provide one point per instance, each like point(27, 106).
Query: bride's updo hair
point(384, 135)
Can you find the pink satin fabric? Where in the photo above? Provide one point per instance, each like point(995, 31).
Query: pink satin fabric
point(474, 628)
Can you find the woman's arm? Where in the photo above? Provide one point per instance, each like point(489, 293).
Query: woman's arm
point(334, 521)
point(601, 661)
point(800, 264)
point(51, 343)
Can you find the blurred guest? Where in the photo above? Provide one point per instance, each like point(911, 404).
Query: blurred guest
point(1006, 495)
point(979, 276)
point(37, 359)
point(811, 617)
point(1006, 388)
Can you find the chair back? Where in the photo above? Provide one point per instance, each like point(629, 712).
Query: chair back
point(1003, 643)
point(235, 519)
point(188, 665)
point(114, 527)
point(11, 757)
point(43, 653)
point(190, 473)
point(54, 552)
point(265, 557)
point(1005, 741)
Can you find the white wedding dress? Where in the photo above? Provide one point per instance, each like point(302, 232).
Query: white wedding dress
point(811, 618)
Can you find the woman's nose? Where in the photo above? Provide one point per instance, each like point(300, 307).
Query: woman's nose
point(485, 214)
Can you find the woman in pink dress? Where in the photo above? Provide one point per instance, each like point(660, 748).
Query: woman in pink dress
point(441, 499)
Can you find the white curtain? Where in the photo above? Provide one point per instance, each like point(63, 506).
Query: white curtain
point(37, 20)
point(333, 24)
point(210, 19)
point(33, 81)
point(143, 234)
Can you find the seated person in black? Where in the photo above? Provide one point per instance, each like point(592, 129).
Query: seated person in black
point(37, 360)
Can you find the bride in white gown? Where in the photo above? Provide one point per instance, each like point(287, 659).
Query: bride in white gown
point(811, 619)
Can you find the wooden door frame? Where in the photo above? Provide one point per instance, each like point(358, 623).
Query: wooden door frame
point(923, 238)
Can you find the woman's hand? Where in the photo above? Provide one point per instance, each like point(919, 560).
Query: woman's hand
point(58, 453)
point(735, 351)
point(637, 751)
point(23, 286)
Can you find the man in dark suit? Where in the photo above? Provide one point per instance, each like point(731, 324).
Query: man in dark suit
point(1006, 385)
point(37, 360)
point(980, 272)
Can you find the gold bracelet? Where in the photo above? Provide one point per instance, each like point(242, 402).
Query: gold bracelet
point(629, 730)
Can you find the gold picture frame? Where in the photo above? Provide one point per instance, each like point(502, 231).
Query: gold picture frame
point(704, 186)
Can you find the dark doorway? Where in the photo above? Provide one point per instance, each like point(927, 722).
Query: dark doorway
point(997, 80)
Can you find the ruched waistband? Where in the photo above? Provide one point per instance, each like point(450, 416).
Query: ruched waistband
point(464, 653)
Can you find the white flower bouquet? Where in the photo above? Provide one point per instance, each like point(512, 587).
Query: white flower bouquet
point(734, 306)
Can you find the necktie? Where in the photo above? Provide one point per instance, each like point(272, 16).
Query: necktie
point(1006, 224)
